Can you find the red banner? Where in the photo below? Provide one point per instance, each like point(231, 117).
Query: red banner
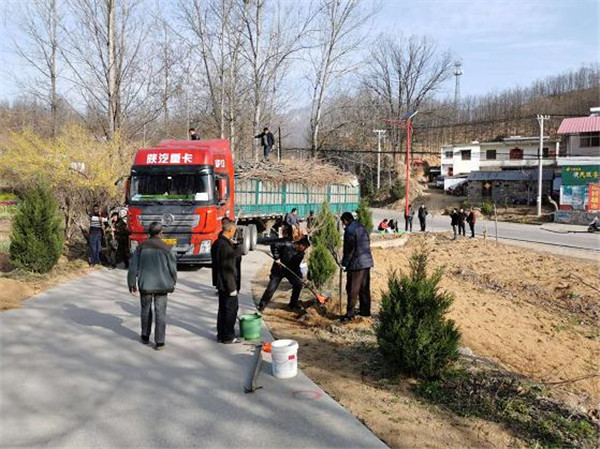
point(594, 197)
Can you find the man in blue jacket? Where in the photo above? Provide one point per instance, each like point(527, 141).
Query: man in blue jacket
point(357, 262)
point(154, 267)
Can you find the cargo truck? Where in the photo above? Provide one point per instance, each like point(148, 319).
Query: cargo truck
point(190, 186)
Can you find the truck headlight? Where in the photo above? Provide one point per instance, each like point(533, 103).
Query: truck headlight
point(205, 246)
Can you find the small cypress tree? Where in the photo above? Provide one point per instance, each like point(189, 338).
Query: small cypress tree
point(326, 229)
point(37, 238)
point(321, 266)
point(413, 334)
point(326, 242)
point(364, 215)
point(397, 190)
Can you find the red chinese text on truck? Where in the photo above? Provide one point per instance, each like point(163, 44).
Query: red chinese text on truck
point(187, 186)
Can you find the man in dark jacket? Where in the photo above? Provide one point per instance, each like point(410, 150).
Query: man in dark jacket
point(462, 216)
point(267, 140)
point(422, 214)
point(154, 267)
point(471, 219)
point(238, 279)
point(357, 261)
point(288, 257)
point(408, 218)
point(454, 221)
point(224, 263)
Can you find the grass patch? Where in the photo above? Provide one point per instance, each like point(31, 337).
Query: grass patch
point(8, 212)
point(522, 406)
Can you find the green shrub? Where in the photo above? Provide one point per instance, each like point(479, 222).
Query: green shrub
point(321, 266)
point(465, 205)
point(397, 190)
point(37, 236)
point(487, 208)
point(7, 212)
point(326, 230)
point(364, 215)
point(413, 334)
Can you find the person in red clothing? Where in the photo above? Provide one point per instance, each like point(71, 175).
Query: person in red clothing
point(471, 219)
point(383, 225)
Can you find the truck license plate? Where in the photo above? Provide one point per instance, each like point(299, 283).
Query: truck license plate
point(171, 242)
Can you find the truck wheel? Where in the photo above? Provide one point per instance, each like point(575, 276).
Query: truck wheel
point(245, 240)
point(253, 231)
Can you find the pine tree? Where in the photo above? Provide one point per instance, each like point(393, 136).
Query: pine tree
point(413, 334)
point(326, 229)
point(37, 236)
point(321, 266)
point(364, 215)
point(326, 243)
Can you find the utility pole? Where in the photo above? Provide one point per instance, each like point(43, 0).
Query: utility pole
point(379, 133)
point(408, 119)
point(540, 119)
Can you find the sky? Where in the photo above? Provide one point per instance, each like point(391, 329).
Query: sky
point(501, 43)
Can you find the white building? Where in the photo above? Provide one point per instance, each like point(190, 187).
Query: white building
point(511, 153)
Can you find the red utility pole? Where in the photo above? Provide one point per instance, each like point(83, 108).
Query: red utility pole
point(400, 123)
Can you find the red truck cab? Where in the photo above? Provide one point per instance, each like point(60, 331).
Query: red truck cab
point(187, 186)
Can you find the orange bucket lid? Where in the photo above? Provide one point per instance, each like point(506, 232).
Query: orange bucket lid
point(266, 347)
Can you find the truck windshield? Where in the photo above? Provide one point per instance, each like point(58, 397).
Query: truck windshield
point(172, 185)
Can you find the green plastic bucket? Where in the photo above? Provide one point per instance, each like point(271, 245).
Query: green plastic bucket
point(250, 326)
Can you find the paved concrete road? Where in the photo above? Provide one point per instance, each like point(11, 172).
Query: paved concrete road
point(544, 234)
point(73, 375)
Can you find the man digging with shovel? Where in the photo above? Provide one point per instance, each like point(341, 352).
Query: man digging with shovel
point(288, 256)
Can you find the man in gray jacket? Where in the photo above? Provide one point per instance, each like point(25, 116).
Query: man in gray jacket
point(154, 267)
point(357, 261)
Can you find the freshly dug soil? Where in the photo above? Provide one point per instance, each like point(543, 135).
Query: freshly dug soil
point(529, 312)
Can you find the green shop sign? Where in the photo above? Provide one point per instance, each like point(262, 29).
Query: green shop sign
point(576, 175)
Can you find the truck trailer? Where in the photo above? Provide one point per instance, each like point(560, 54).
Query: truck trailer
point(190, 186)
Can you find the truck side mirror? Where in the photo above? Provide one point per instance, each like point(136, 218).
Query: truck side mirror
point(222, 189)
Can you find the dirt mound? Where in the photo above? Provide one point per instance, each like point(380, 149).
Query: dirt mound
point(12, 293)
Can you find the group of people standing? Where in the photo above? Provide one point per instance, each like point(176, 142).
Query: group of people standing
point(458, 218)
point(153, 274)
point(110, 232)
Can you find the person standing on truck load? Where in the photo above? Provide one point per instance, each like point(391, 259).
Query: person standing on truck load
point(292, 225)
point(267, 140)
point(193, 135)
point(454, 221)
point(153, 271)
point(96, 233)
point(225, 256)
point(462, 216)
point(408, 218)
point(471, 219)
point(357, 262)
point(422, 214)
point(289, 254)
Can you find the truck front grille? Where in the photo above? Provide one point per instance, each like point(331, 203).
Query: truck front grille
point(170, 220)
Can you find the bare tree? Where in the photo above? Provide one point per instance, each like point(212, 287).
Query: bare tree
point(269, 44)
point(39, 23)
point(405, 73)
point(107, 60)
point(339, 23)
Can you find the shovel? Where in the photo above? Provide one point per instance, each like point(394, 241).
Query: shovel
point(318, 298)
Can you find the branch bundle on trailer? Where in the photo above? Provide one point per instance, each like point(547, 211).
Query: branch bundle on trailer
point(309, 172)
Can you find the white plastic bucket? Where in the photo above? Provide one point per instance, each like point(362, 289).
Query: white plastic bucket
point(284, 355)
